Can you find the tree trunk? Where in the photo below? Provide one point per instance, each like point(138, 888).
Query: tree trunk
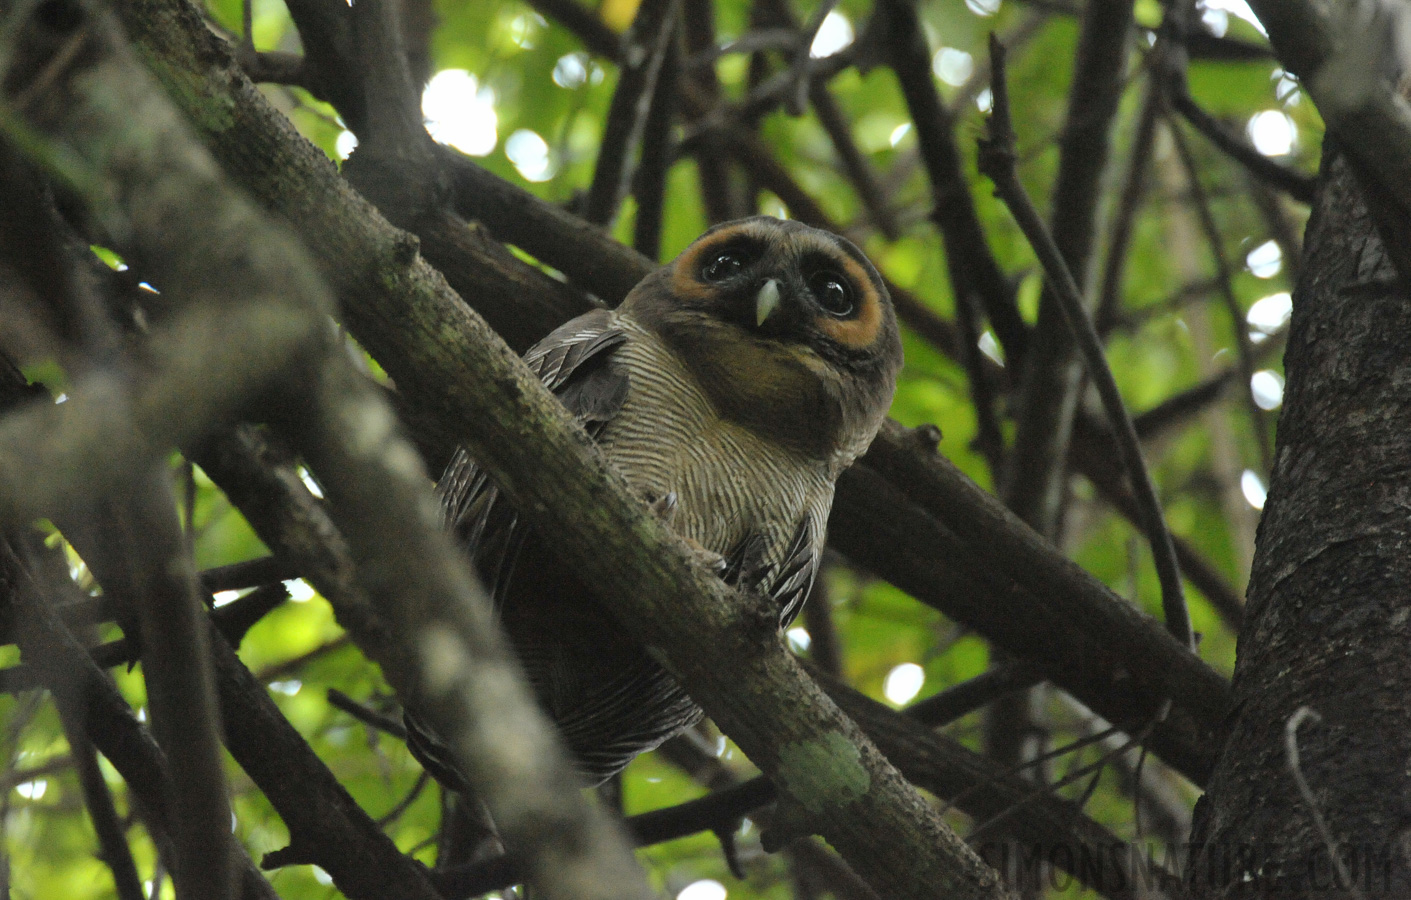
point(1328, 625)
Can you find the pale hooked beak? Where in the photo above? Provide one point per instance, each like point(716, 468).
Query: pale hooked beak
point(766, 301)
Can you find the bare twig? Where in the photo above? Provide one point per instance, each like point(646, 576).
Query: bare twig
point(1050, 381)
point(1224, 277)
point(658, 152)
point(705, 55)
point(648, 40)
point(112, 840)
point(397, 811)
point(825, 647)
point(802, 64)
point(997, 161)
point(370, 717)
point(719, 195)
point(973, 265)
point(989, 438)
point(108, 720)
point(1134, 181)
point(1075, 776)
point(1291, 757)
point(967, 696)
point(854, 165)
point(1292, 182)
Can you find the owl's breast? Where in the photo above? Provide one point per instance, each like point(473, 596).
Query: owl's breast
point(730, 483)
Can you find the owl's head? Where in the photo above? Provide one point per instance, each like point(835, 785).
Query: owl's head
point(789, 329)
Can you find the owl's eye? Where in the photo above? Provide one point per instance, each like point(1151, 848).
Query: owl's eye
point(832, 292)
point(722, 266)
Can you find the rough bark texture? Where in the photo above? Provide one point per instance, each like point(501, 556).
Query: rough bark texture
point(1328, 621)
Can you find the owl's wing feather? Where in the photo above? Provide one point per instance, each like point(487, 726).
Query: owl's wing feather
point(785, 579)
point(571, 362)
point(794, 578)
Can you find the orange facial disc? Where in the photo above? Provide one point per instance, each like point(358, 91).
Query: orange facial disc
point(861, 330)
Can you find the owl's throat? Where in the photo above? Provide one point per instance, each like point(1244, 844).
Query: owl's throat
point(769, 387)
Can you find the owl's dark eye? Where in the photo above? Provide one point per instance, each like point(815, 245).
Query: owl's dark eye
point(832, 292)
point(722, 266)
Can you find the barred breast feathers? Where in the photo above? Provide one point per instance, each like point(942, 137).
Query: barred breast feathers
point(729, 483)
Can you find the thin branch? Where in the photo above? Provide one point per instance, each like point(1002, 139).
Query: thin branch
point(251, 573)
point(721, 810)
point(974, 266)
point(1281, 226)
point(825, 645)
point(1224, 597)
point(997, 161)
point(1033, 763)
point(1169, 69)
point(582, 251)
point(1050, 380)
point(281, 670)
point(112, 839)
point(801, 67)
point(1181, 407)
point(647, 43)
point(1075, 776)
point(1134, 183)
point(108, 720)
point(658, 152)
point(855, 166)
point(719, 193)
point(326, 825)
point(584, 23)
point(967, 696)
point(370, 717)
point(989, 438)
point(706, 54)
point(768, 92)
point(1296, 184)
point(393, 127)
point(396, 812)
point(233, 620)
point(1224, 277)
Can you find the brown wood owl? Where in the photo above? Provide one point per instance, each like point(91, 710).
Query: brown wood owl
point(731, 388)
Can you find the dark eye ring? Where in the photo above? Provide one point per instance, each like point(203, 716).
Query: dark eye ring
point(721, 267)
point(832, 292)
